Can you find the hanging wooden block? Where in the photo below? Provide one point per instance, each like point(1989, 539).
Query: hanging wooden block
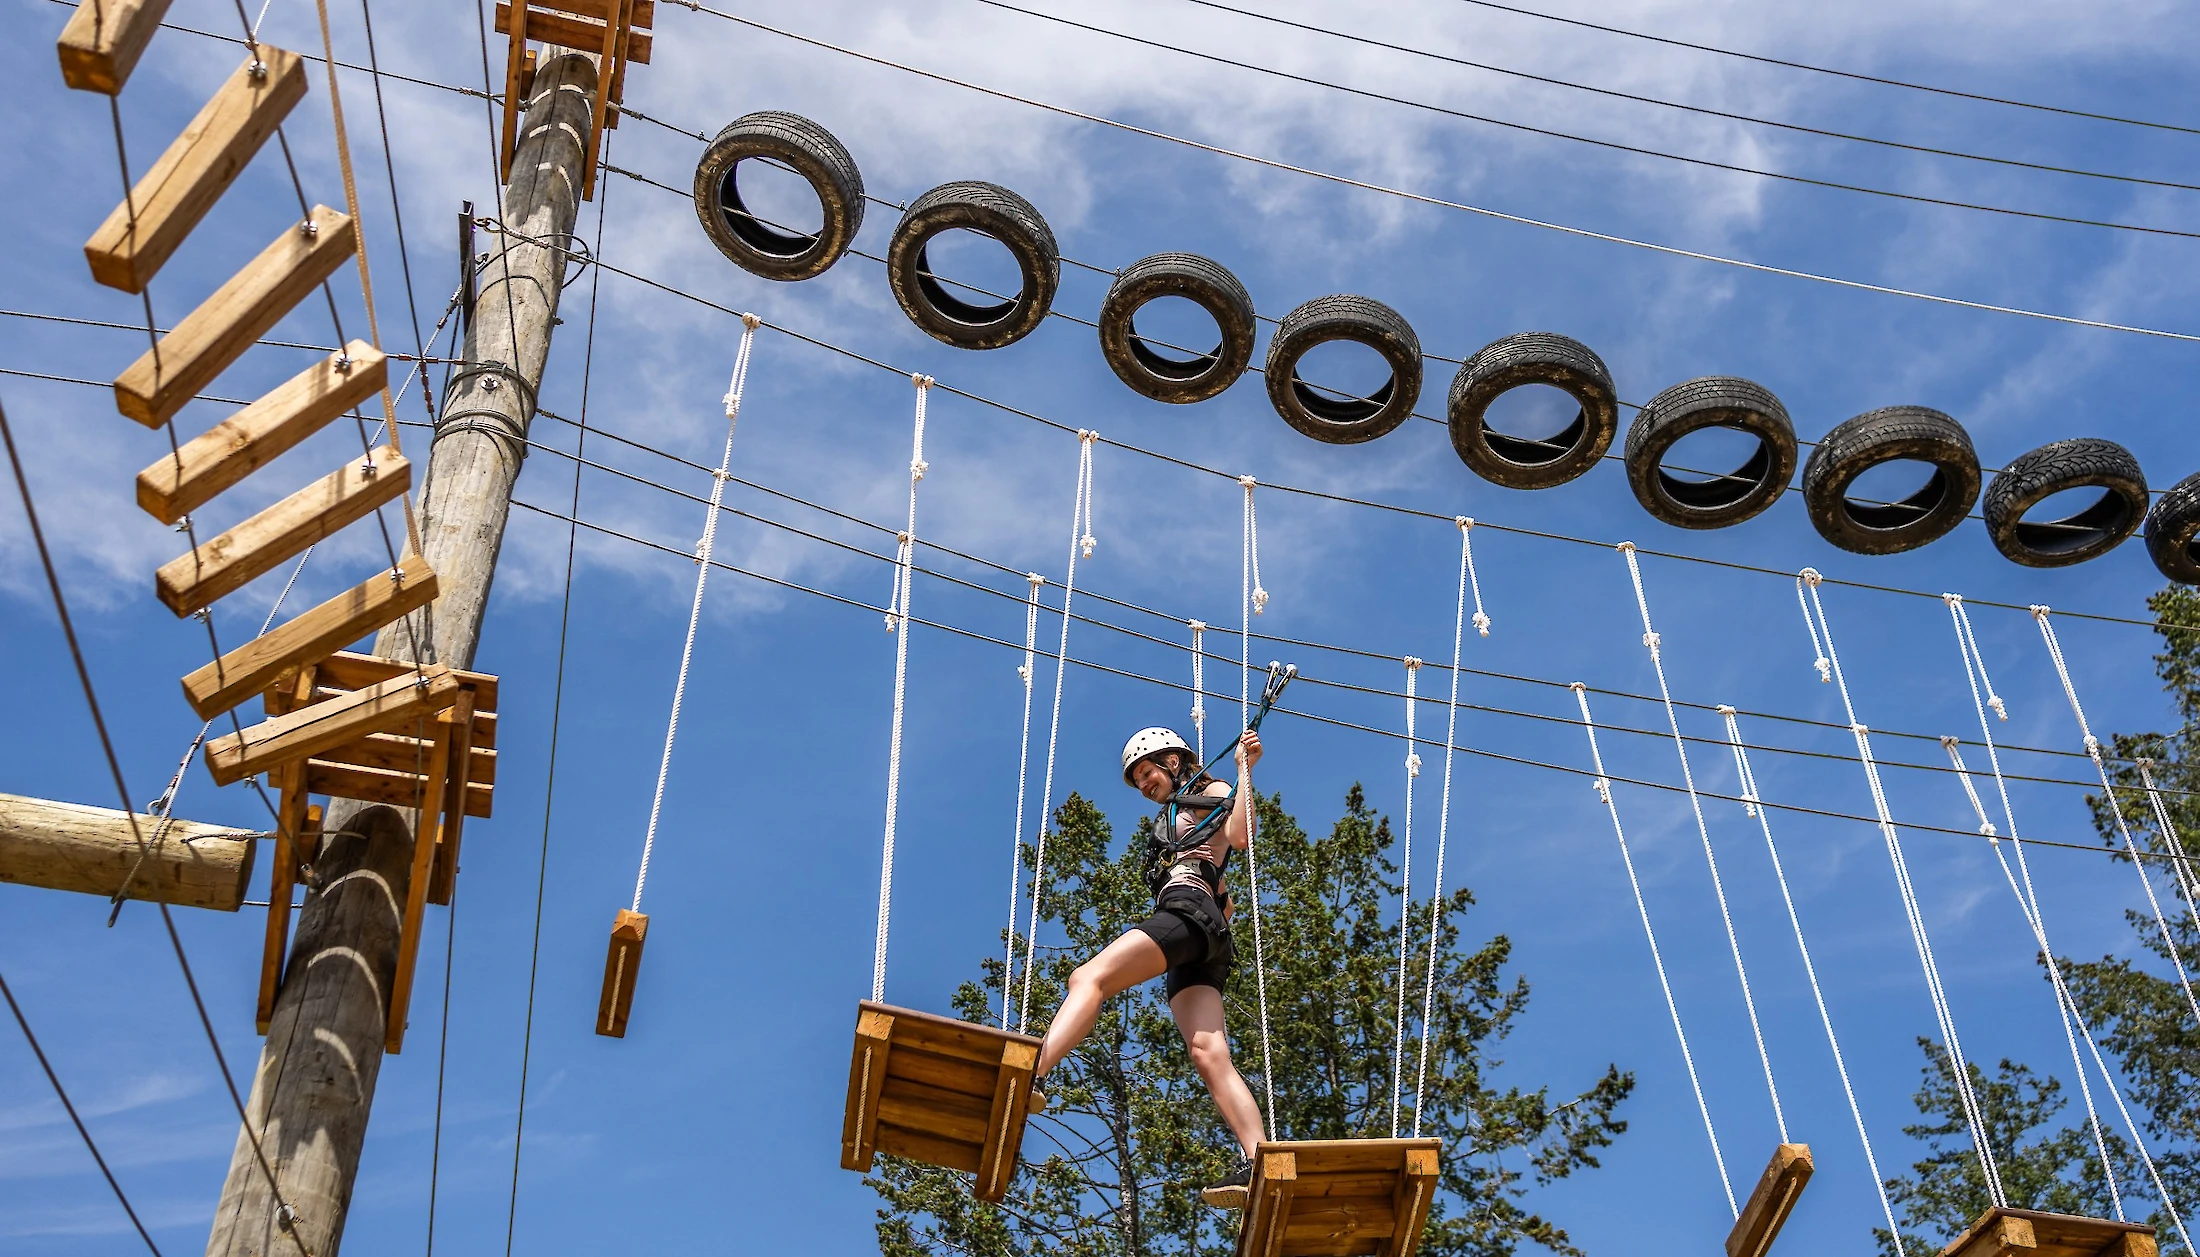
point(189, 477)
point(620, 966)
point(137, 239)
point(2029, 1233)
point(1773, 1199)
point(103, 40)
point(300, 734)
point(381, 599)
point(1339, 1197)
point(937, 1090)
point(221, 566)
point(208, 339)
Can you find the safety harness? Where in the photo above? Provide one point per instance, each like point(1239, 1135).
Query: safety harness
point(1163, 848)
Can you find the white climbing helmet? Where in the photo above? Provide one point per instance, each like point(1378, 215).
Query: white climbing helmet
point(1147, 743)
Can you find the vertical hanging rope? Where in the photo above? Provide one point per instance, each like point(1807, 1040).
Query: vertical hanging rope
point(1253, 601)
point(1603, 787)
point(1443, 815)
point(1753, 805)
point(1199, 688)
point(2188, 879)
point(2115, 808)
point(1654, 643)
point(897, 623)
point(1081, 542)
point(1023, 776)
point(732, 401)
point(1405, 904)
point(1828, 664)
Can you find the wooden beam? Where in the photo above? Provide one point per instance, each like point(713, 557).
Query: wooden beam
point(621, 964)
point(312, 636)
point(1004, 1129)
point(188, 478)
point(644, 12)
point(103, 40)
point(427, 832)
point(568, 32)
point(372, 785)
point(138, 238)
point(515, 65)
point(355, 670)
point(1268, 1207)
point(222, 566)
point(1410, 1201)
point(398, 753)
point(93, 851)
point(458, 728)
point(307, 731)
point(866, 1084)
point(1770, 1202)
point(208, 339)
point(290, 823)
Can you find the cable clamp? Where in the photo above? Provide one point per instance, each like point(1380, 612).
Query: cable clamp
point(367, 469)
point(183, 524)
point(309, 229)
point(204, 615)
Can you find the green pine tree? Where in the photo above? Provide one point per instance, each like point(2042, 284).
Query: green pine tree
point(1113, 1166)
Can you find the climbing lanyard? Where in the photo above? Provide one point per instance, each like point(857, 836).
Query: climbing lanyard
point(1279, 675)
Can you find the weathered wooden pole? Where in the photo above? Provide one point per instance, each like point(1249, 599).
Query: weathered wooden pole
point(307, 1115)
point(94, 851)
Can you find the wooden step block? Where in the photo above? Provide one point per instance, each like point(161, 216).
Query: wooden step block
point(208, 339)
point(568, 32)
point(197, 168)
point(374, 785)
point(103, 40)
point(310, 730)
point(1339, 1198)
point(309, 638)
point(937, 1090)
point(2029, 1233)
point(1770, 1203)
point(189, 477)
point(352, 670)
point(225, 564)
point(620, 965)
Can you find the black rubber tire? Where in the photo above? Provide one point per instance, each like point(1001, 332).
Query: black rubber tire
point(1363, 321)
point(2173, 531)
point(1168, 378)
point(1857, 445)
point(990, 210)
point(1508, 363)
point(809, 150)
point(1713, 401)
point(2079, 463)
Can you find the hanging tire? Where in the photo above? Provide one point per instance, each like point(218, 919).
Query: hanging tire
point(1891, 434)
point(998, 214)
point(2079, 463)
point(1321, 414)
point(768, 249)
point(1714, 401)
point(1167, 377)
point(1532, 358)
point(2173, 531)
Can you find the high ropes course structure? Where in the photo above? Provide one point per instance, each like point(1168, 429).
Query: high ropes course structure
point(374, 761)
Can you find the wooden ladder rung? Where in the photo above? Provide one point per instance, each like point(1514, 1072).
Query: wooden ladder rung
point(189, 477)
point(208, 339)
point(571, 32)
point(349, 616)
point(299, 734)
point(375, 785)
point(217, 568)
point(350, 670)
point(103, 40)
point(197, 168)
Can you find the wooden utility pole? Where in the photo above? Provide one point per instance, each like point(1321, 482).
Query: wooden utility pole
point(312, 1092)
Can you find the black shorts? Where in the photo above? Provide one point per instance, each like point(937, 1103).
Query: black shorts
point(1197, 955)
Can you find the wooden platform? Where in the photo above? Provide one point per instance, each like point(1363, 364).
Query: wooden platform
point(1339, 1198)
point(2027, 1233)
point(1777, 1190)
point(937, 1090)
point(611, 29)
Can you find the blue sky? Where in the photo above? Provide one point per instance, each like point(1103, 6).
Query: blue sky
point(718, 1115)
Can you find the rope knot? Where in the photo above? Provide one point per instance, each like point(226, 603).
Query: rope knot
point(1035, 579)
point(1260, 600)
point(1953, 600)
point(1651, 640)
point(1858, 728)
point(1994, 701)
point(1413, 765)
point(1464, 522)
point(1727, 709)
point(1825, 670)
point(1482, 623)
point(1603, 789)
point(1809, 576)
point(1247, 482)
point(1197, 626)
point(2040, 610)
point(1625, 547)
point(1086, 543)
point(917, 468)
point(1412, 664)
point(752, 321)
point(1023, 670)
point(2093, 747)
point(920, 380)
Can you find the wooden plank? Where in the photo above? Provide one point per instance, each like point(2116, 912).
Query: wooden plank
point(451, 800)
point(1004, 1128)
point(1337, 1156)
point(1268, 1208)
point(2031, 1233)
point(949, 1037)
point(95, 851)
point(427, 832)
point(397, 753)
point(351, 670)
point(1410, 1201)
point(1770, 1202)
point(1339, 1219)
point(220, 567)
point(642, 16)
point(1369, 1183)
point(622, 963)
point(570, 32)
point(309, 841)
point(867, 1075)
point(177, 191)
point(900, 1141)
point(307, 731)
point(251, 668)
point(103, 40)
point(515, 66)
point(190, 477)
point(952, 1073)
point(208, 339)
point(370, 785)
point(948, 1114)
point(290, 822)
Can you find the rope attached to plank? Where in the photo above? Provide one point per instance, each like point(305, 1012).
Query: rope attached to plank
point(1405, 903)
point(1023, 776)
point(897, 623)
point(1443, 814)
point(1253, 600)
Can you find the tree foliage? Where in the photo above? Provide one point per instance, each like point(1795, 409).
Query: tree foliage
point(1113, 1166)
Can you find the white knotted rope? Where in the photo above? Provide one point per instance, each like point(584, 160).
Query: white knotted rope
point(1259, 596)
point(1466, 561)
point(732, 400)
point(1253, 601)
point(1603, 786)
point(1443, 816)
point(1023, 777)
point(2188, 878)
point(1828, 665)
point(1405, 901)
point(897, 623)
point(1753, 805)
point(2115, 807)
point(1081, 543)
point(1654, 643)
point(1199, 688)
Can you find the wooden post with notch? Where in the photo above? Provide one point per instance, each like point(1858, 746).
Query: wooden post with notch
point(103, 40)
point(621, 964)
point(1770, 1202)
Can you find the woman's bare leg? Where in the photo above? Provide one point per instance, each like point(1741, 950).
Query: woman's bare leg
point(1198, 1012)
point(1121, 965)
